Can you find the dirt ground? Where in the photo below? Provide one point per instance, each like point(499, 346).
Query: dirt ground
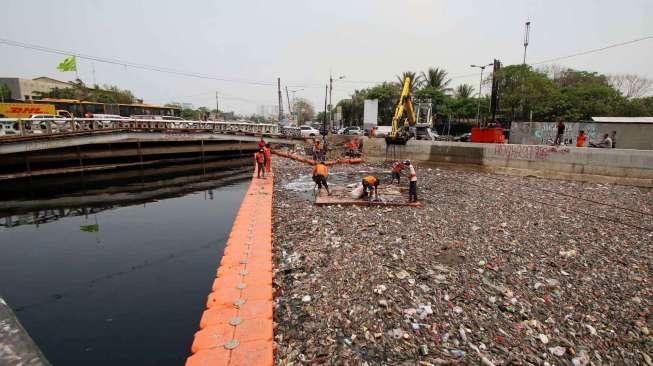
point(492, 270)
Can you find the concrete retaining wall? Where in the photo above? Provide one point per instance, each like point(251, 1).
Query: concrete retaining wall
point(628, 167)
point(629, 135)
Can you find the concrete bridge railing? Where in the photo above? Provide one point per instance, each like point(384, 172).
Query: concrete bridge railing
point(16, 127)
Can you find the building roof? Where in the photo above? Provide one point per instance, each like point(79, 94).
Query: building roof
point(51, 80)
point(623, 119)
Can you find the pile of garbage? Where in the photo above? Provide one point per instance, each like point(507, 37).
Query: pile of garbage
point(493, 270)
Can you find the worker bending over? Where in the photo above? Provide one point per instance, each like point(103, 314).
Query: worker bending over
point(370, 183)
point(397, 167)
point(320, 173)
point(412, 177)
point(259, 159)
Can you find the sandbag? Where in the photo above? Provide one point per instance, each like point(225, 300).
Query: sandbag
point(357, 192)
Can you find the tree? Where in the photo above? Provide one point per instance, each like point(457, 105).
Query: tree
point(435, 78)
point(304, 110)
point(629, 85)
point(464, 91)
point(415, 80)
point(78, 90)
point(5, 92)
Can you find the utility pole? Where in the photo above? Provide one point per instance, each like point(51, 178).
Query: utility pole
point(480, 85)
point(331, 121)
point(217, 107)
point(280, 99)
point(330, 106)
point(494, 96)
point(324, 122)
point(527, 31)
point(288, 100)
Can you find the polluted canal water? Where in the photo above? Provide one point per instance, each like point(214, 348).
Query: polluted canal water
point(115, 270)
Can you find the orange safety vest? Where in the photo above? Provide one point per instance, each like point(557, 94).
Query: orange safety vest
point(260, 158)
point(580, 140)
point(320, 169)
point(371, 180)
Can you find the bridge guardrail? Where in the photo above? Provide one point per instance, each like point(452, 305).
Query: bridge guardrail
point(14, 127)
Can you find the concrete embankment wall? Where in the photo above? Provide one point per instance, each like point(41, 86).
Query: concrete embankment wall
point(16, 346)
point(619, 166)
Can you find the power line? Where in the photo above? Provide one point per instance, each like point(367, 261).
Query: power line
point(131, 64)
point(592, 50)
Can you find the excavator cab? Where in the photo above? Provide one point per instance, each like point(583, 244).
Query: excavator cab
point(404, 120)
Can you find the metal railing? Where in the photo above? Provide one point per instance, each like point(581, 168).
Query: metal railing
point(17, 127)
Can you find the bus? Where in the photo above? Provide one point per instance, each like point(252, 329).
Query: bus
point(80, 108)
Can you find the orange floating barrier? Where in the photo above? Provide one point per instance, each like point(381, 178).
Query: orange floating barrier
point(237, 328)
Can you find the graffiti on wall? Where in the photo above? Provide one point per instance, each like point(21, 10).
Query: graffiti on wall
point(545, 132)
point(529, 152)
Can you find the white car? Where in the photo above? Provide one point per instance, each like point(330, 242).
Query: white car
point(353, 131)
point(308, 131)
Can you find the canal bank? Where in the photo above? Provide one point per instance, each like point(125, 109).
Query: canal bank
point(104, 281)
point(492, 269)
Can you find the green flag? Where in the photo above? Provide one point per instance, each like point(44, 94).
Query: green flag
point(68, 64)
point(90, 228)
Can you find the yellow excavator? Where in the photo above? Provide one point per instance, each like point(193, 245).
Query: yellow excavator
point(403, 119)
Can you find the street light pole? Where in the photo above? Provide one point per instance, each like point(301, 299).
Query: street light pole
point(480, 84)
point(330, 92)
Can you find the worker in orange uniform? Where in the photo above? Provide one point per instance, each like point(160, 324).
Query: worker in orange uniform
point(320, 173)
point(412, 177)
point(581, 138)
point(370, 183)
point(259, 158)
point(316, 150)
point(397, 167)
point(267, 152)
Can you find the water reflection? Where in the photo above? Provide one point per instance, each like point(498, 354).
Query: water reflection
point(114, 268)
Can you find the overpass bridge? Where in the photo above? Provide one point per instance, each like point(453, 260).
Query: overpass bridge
point(59, 145)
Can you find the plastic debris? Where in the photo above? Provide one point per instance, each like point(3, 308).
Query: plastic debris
point(508, 275)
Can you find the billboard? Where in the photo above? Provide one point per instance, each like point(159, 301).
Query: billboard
point(24, 110)
point(370, 113)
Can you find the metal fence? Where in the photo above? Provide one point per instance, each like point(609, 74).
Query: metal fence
point(14, 127)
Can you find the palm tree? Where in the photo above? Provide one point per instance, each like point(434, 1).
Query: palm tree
point(414, 79)
point(435, 78)
point(464, 91)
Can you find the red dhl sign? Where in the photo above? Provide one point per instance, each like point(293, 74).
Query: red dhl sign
point(24, 110)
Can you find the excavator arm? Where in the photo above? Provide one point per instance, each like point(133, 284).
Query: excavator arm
point(404, 116)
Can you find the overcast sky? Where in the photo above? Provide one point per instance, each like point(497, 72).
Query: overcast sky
point(300, 41)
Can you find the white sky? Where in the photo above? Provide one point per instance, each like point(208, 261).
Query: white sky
point(300, 41)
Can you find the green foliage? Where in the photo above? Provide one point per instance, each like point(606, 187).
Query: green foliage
point(5, 92)
point(571, 94)
point(464, 91)
point(435, 78)
point(79, 91)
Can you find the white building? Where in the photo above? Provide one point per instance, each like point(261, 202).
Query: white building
point(28, 89)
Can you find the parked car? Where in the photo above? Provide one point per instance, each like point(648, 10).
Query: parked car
point(465, 137)
point(308, 131)
point(354, 130)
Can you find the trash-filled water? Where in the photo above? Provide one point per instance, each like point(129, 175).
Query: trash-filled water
point(96, 282)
